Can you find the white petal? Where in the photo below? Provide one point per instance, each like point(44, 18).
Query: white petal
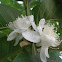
point(39, 29)
point(11, 36)
point(42, 55)
point(41, 25)
point(48, 40)
point(22, 23)
point(42, 22)
point(19, 30)
point(16, 40)
point(18, 37)
point(31, 36)
point(31, 18)
point(11, 25)
point(34, 26)
point(46, 52)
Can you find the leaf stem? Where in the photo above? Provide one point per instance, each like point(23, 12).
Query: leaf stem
point(54, 19)
point(3, 28)
point(26, 5)
point(33, 49)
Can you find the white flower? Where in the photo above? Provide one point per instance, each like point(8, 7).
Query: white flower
point(19, 26)
point(47, 37)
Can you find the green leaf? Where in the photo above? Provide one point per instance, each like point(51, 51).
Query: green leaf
point(33, 4)
point(48, 9)
point(7, 48)
point(8, 14)
point(6, 60)
point(26, 56)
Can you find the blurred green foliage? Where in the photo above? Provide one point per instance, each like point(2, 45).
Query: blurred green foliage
point(14, 4)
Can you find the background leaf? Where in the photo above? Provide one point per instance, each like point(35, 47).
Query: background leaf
point(48, 9)
point(7, 14)
point(25, 56)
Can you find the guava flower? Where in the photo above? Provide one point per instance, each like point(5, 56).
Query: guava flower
point(45, 34)
point(19, 26)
